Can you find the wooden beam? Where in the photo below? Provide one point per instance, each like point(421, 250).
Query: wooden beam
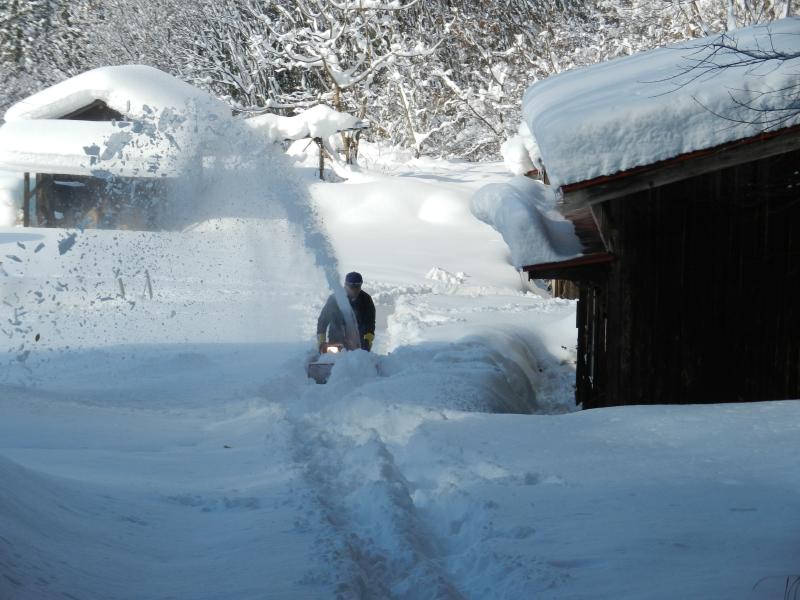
point(358, 130)
point(586, 230)
point(581, 268)
point(26, 200)
point(601, 223)
point(37, 193)
point(321, 146)
point(682, 167)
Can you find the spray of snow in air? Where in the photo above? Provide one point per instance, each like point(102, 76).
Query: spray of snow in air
point(232, 176)
point(238, 172)
point(248, 231)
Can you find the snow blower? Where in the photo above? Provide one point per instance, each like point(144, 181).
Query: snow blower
point(320, 369)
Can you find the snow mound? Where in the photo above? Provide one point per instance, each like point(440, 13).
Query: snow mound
point(136, 91)
point(656, 105)
point(523, 211)
point(445, 276)
point(390, 229)
point(353, 369)
point(44, 520)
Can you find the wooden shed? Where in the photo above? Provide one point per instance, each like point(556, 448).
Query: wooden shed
point(689, 280)
point(101, 149)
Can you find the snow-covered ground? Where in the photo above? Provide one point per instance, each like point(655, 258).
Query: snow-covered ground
point(159, 438)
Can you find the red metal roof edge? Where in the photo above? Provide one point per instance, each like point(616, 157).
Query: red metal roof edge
point(579, 185)
point(597, 258)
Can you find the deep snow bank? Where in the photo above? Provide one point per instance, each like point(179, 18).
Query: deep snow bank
point(160, 502)
point(631, 502)
point(460, 331)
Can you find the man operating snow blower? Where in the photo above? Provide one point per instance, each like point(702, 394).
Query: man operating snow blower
point(333, 323)
point(332, 320)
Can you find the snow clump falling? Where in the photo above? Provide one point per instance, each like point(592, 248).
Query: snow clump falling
point(523, 211)
point(521, 153)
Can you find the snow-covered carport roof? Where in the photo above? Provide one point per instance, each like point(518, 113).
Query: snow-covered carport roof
point(154, 138)
point(633, 123)
point(135, 91)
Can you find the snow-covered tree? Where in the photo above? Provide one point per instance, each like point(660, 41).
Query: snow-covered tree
point(25, 27)
point(441, 77)
point(341, 51)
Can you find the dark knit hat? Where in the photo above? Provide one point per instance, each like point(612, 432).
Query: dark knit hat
point(353, 278)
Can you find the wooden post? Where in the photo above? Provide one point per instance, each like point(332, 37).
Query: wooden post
point(318, 140)
point(26, 201)
point(41, 216)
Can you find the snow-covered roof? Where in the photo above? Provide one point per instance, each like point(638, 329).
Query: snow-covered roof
point(318, 121)
point(136, 91)
point(164, 119)
point(653, 106)
point(88, 148)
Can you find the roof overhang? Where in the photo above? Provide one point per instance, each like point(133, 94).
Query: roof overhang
point(90, 148)
point(582, 268)
point(579, 199)
point(586, 193)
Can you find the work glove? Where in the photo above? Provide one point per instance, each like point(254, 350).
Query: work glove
point(369, 337)
point(320, 340)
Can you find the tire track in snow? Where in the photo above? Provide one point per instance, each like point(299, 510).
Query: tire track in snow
point(378, 544)
point(377, 541)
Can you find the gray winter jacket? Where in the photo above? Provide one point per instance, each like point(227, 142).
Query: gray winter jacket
point(332, 320)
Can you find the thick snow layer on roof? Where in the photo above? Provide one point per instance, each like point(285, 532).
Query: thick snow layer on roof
point(523, 211)
point(318, 121)
point(91, 148)
point(133, 90)
point(660, 104)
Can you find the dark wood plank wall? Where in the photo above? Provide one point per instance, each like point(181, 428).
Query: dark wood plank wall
point(703, 301)
point(96, 111)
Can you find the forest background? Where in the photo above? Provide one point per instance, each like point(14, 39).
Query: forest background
point(442, 77)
